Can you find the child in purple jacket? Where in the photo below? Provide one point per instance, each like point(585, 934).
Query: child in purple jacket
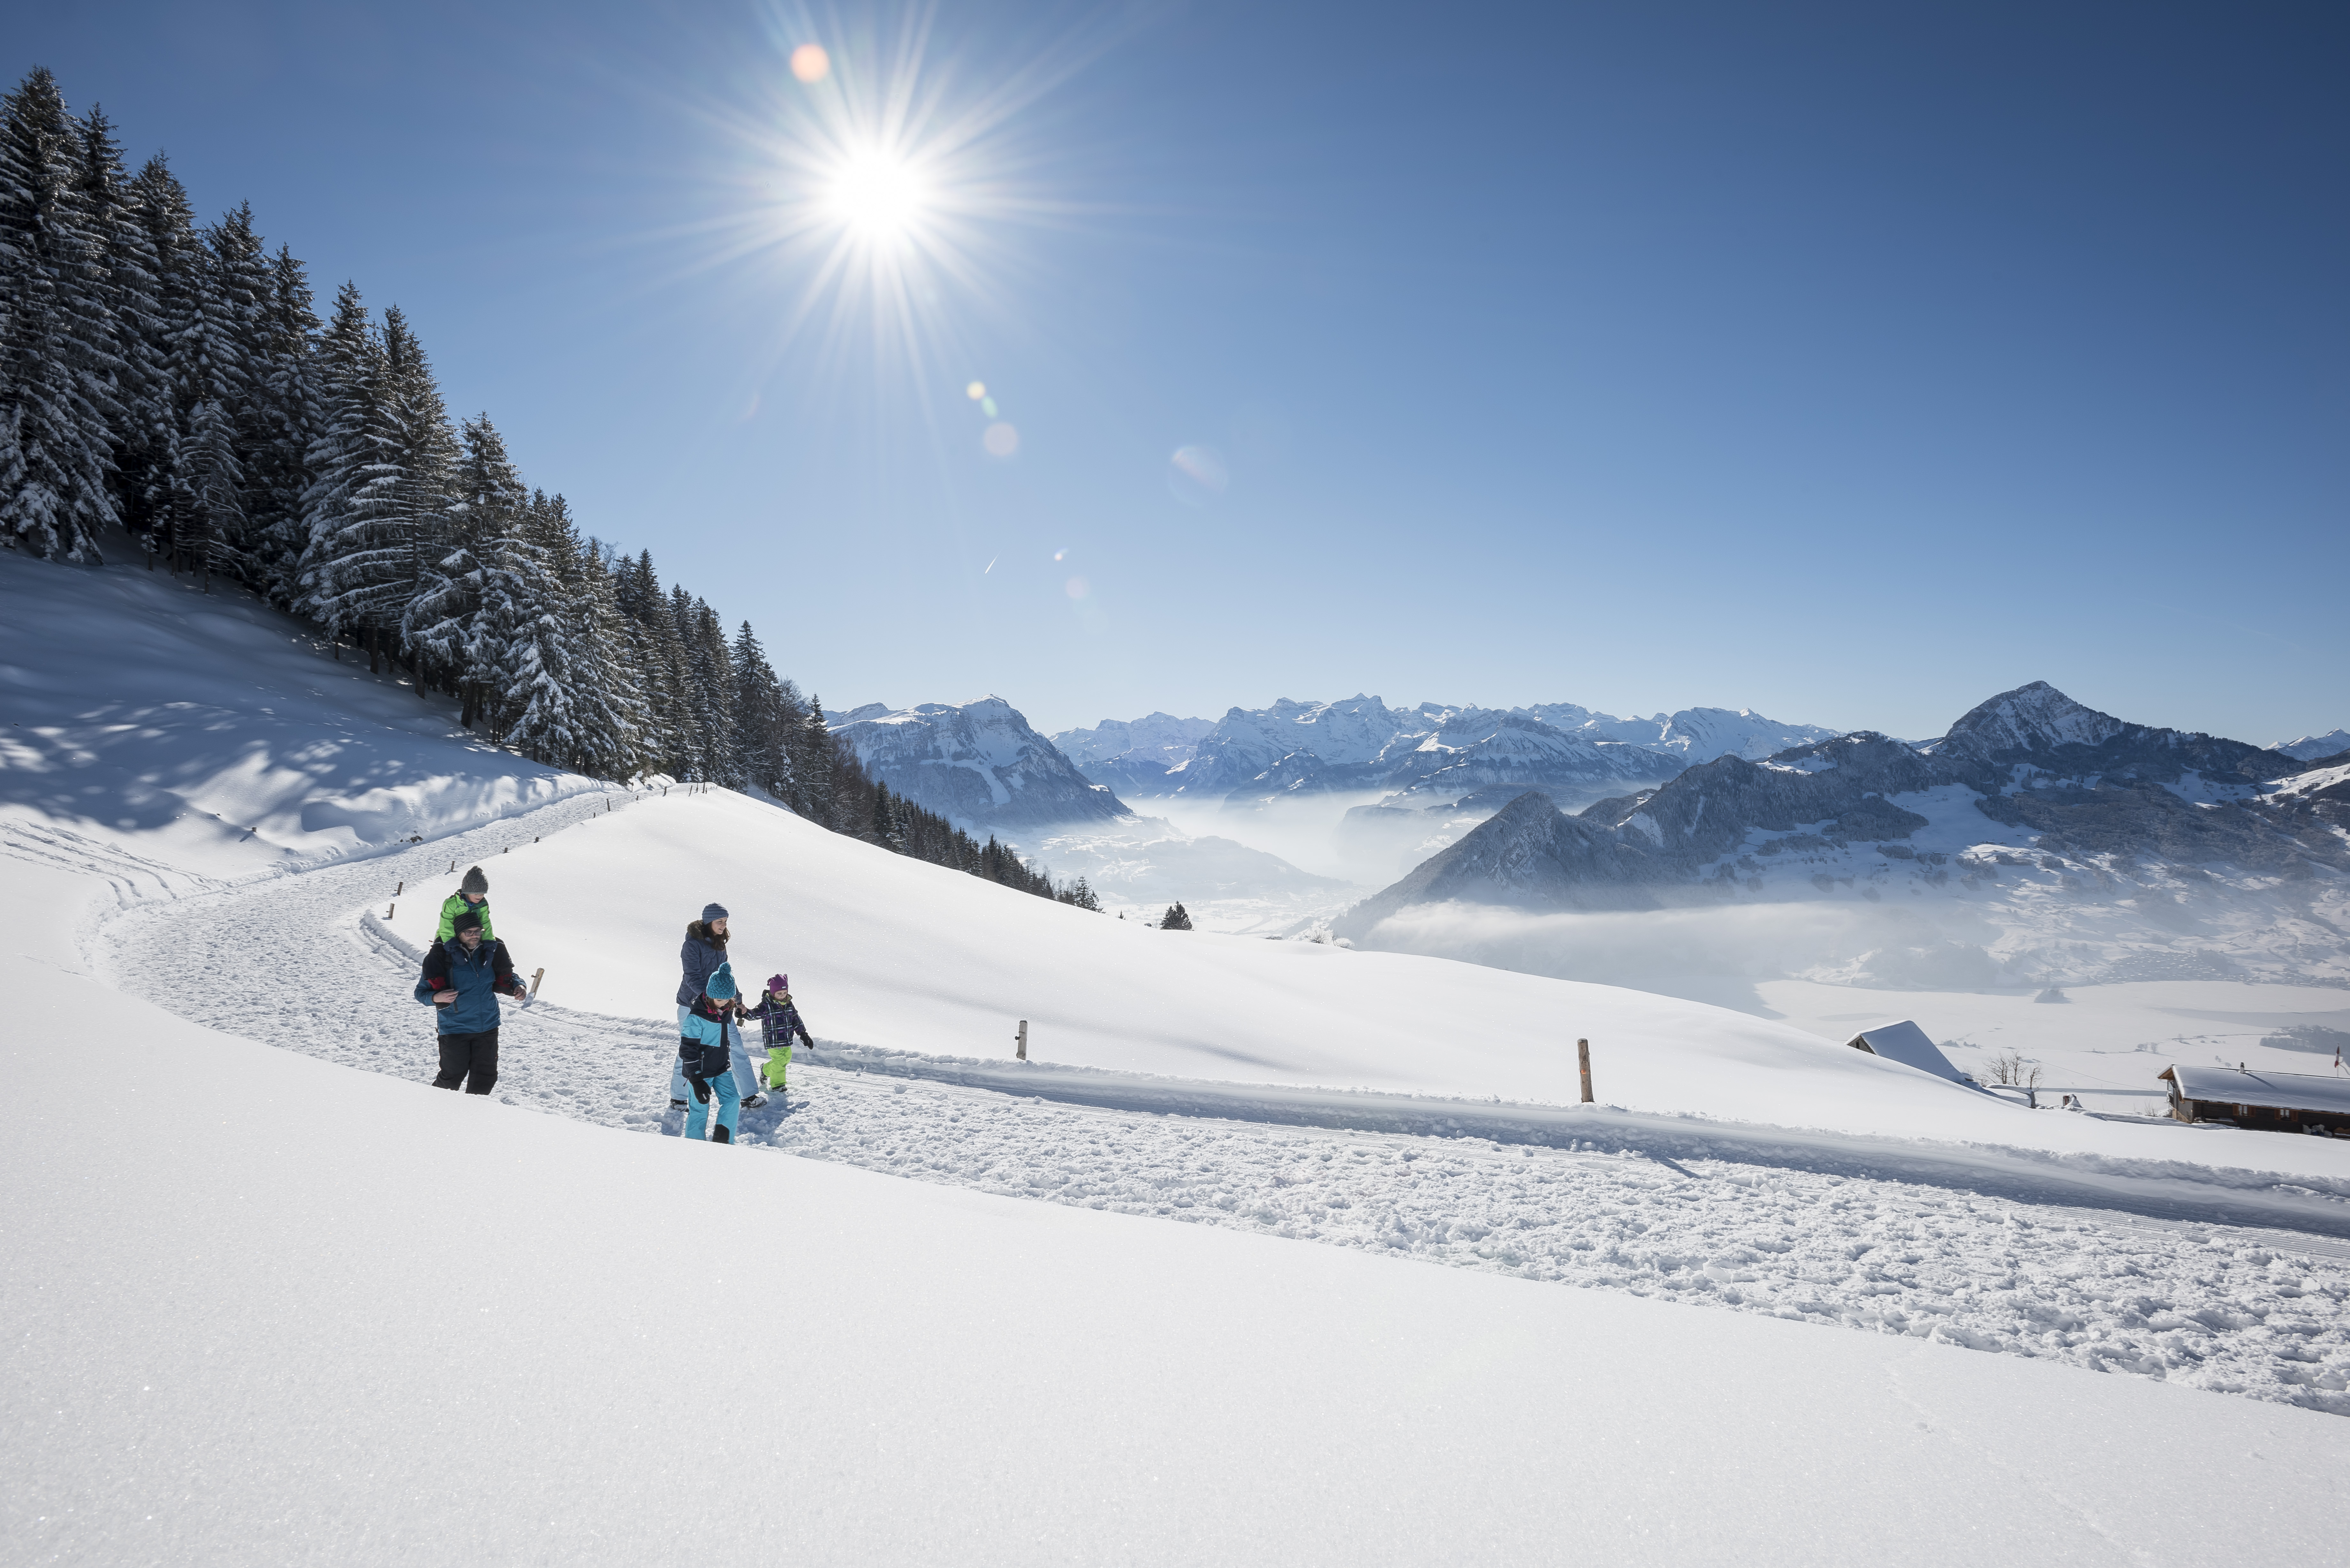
point(779, 1021)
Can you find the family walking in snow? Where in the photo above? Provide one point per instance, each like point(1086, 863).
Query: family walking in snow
point(711, 1063)
point(465, 971)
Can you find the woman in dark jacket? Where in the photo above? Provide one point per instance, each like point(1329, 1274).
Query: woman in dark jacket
point(705, 950)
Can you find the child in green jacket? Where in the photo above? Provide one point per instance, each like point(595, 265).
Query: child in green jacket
point(472, 897)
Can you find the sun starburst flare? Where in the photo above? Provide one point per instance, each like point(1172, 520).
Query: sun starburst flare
point(877, 188)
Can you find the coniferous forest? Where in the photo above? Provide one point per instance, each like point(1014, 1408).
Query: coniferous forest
point(175, 380)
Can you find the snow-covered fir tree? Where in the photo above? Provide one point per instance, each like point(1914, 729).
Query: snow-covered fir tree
point(57, 366)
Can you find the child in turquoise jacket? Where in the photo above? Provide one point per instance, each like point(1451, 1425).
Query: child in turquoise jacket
point(702, 1057)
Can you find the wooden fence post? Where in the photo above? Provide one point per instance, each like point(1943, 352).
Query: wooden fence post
point(396, 892)
point(536, 975)
point(1583, 1059)
point(1022, 1038)
point(388, 913)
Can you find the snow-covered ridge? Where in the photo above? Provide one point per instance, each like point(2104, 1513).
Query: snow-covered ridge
point(1160, 738)
point(1361, 744)
point(980, 764)
point(2309, 748)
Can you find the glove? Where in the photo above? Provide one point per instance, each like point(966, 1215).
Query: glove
point(701, 1088)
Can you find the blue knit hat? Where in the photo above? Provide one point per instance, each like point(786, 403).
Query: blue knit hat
point(721, 982)
point(712, 912)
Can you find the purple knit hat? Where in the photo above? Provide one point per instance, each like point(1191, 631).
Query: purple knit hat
point(779, 982)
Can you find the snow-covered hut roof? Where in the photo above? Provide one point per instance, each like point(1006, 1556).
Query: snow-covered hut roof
point(1907, 1043)
point(2271, 1091)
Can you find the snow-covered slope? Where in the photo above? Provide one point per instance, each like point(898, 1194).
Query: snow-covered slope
point(404, 1326)
point(979, 764)
point(214, 734)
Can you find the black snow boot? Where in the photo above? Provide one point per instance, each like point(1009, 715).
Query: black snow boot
point(722, 1134)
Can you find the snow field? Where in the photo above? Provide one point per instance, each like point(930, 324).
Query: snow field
point(1927, 1257)
point(2234, 1311)
point(295, 1315)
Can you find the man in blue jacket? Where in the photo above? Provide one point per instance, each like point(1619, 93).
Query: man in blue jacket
point(463, 977)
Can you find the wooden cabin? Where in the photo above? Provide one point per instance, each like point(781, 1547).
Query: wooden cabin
point(2270, 1102)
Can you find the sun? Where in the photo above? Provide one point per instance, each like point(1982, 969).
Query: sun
point(879, 195)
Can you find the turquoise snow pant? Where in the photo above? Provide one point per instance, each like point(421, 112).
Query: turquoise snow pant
point(745, 1071)
point(722, 1095)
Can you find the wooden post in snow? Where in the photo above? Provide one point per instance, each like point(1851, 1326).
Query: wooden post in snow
point(396, 892)
point(536, 976)
point(388, 913)
point(1022, 1038)
point(1583, 1059)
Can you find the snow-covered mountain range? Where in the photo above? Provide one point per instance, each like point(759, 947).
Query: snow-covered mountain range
point(1433, 754)
point(2309, 748)
point(980, 764)
point(1694, 734)
point(2065, 841)
point(1160, 738)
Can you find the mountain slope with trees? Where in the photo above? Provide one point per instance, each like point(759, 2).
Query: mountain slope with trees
point(174, 379)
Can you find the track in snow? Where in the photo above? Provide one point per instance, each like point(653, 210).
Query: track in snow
point(291, 961)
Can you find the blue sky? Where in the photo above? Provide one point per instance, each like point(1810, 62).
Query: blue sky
point(1849, 362)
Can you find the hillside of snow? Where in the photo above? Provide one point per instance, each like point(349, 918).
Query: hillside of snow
point(209, 734)
point(403, 1326)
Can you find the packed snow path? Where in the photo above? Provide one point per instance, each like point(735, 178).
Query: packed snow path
point(293, 960)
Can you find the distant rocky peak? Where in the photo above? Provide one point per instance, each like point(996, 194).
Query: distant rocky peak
point(2309, 748)
point(2035, 718)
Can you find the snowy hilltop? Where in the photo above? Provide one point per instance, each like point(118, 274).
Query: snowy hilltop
point(979, 765)
point(1432, 753)
point(2052, 838)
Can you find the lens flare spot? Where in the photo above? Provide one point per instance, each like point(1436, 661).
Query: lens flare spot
point(987, 406)
point(1079, 588)
point(975, 391)
point(810, 63)
point(1197, 475)
point(1001, 440)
